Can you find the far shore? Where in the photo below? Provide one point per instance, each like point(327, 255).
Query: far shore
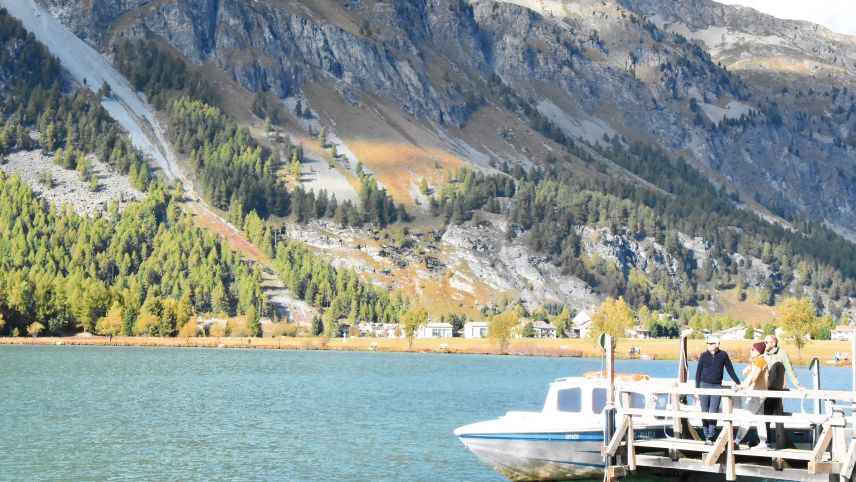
point(659, 349)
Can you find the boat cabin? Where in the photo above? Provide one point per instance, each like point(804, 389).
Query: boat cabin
point(587, 394)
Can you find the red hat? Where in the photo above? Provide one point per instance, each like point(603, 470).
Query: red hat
point(760, 347)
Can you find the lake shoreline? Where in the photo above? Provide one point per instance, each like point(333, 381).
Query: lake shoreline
point(568, 348)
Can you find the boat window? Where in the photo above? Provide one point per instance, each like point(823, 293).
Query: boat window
point(569, 400)
point(661, 401)
point(598, 399)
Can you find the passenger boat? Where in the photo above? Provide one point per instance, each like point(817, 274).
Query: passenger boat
point(563, 441)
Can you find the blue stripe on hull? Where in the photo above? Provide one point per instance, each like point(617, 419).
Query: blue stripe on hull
point(643, 433)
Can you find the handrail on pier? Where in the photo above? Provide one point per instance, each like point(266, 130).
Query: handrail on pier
point(833, 454)
point(831, 395)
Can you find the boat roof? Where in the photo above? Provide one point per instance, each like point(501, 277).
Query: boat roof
point(625, 383)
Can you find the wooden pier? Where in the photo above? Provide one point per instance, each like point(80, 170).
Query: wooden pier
point(828, 451)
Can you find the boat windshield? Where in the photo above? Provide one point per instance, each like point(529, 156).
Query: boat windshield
point(569, 400)
point(598, 400)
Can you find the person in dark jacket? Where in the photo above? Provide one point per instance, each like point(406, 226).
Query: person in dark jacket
point(779, 364)
point(711, 365)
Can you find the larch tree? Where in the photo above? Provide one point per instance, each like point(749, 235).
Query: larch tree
point(798, 318)
point(500, 326)
point(35, 328)
point(217, 330)
point(415, 317)
point(146, 323)
point(189, 330)
point(111, 324)
point(613, 317)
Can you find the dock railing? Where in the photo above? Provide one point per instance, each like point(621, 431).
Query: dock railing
point(832, 455)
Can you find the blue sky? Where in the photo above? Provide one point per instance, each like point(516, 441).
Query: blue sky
point(836, 15)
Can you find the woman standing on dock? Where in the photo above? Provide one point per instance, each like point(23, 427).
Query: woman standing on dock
point(755, 378)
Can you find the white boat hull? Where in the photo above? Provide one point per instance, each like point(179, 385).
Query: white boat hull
point(546, 456)
point(529, 446)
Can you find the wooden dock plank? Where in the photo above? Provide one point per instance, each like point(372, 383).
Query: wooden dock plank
point(788, 454)
point(741, 469)
point(685, 445)
point(698, 446)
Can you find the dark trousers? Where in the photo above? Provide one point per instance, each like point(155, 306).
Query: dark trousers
point(773, 406)
point(710, 404)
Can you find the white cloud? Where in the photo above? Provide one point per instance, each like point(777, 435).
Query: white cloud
point(836, 15)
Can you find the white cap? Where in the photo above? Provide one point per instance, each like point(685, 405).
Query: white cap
point(713, 339)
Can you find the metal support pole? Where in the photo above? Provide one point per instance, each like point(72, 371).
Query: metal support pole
point(815, 384)
point(853, 375)
point(683, 364)
point(609, 411)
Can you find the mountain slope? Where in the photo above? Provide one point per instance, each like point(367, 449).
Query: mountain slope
point(610, 92)
point(593, 68)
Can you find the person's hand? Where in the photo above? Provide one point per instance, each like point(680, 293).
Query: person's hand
point(738, 387)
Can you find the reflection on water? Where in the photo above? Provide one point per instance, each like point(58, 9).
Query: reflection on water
point(158, 413)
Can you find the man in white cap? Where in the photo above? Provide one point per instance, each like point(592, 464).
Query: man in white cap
point(711, 365)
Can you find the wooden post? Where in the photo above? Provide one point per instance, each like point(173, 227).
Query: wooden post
point(853, 375)
point(814, 366)
point(628, 421)
point(609, 412)
point(631, 445)
point(838, 447)
point(610, 371)
point(730, 469)
point(848, 465)
point(678, 399)
point(677, 423)
point(685, 429)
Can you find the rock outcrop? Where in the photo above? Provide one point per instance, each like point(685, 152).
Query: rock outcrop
point(755, 101)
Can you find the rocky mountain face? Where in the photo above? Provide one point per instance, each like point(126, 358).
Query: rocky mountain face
point(678, 74)
point(795, 69)
point(759, 105)
point(741, 37)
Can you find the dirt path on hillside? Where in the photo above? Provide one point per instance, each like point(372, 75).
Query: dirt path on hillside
point(284, 304)
point(212, 222)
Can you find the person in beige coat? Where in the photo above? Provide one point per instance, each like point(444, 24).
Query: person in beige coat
point(754, 378)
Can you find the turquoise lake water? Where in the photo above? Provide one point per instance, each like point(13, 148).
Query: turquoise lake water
point(100, 413)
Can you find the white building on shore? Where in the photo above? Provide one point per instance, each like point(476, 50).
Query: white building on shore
point(435, 330)
point(475, 329)
point(582, 324)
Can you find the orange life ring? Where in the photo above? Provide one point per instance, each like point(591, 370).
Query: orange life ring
point(621, 377)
